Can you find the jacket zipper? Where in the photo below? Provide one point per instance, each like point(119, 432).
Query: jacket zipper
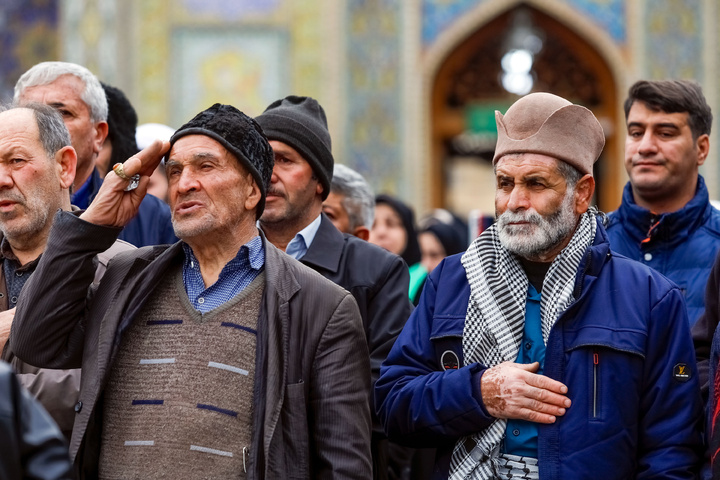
point(596, 361)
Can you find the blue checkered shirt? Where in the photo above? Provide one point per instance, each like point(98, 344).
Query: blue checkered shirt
point(237, 274)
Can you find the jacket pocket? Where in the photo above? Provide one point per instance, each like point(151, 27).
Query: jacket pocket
point(446, 338)
point(595, 380)
point(295, 433)
point(604, 365)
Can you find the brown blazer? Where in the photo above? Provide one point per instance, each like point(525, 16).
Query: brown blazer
point(311, 419)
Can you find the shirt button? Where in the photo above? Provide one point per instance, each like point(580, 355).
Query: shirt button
point(78, 407)
point(13, 299)
point(516, 432)
point(201, 300)
point(528, 345)
point(648, 257)
point(19, 274)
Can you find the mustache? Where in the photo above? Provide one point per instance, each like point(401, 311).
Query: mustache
point(509, 217)
point(647, 158)
point(276, 192)
point(12, 197)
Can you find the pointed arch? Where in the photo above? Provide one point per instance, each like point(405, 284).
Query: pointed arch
point(595, 40)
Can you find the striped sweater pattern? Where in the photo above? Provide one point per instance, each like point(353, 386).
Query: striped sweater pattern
point(179, 398)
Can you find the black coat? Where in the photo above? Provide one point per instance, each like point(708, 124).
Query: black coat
point(379, 281)
point(31, 445)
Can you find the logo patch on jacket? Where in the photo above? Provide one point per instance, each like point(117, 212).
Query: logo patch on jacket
point(449, 360)
point(681, 372)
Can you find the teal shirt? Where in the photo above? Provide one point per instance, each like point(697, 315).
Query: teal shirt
point(521, 436)
point(417, 280)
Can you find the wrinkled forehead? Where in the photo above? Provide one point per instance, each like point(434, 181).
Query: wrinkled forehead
point(65, 86)
point(19, 120)
point(191, 146)
point(527, 161)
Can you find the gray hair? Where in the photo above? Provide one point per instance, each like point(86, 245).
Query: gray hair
point(571, 174)
point(47, 72)
point(51, 129)
point(359, 200)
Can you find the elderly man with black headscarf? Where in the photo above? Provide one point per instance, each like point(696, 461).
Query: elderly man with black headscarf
point(539, 353)
point(218, 356)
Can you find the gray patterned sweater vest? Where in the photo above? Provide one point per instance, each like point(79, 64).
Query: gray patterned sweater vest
point(178, 403)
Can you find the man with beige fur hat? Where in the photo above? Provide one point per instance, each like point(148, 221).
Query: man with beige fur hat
point(539, 353)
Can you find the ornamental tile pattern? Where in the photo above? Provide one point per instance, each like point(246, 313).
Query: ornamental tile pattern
point(674, 39)
point(28, 35)
point(438, 15)
point(374, 93)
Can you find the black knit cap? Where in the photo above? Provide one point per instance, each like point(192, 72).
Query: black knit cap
point(241, 136)
point(301, 123)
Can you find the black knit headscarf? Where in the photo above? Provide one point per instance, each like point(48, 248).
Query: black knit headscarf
point(448, 236)
point(411, 254)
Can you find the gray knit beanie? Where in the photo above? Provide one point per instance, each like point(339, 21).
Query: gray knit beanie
point(241, 136)
point(301, 123)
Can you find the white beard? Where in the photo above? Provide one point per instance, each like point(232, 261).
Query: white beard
point(542, 234)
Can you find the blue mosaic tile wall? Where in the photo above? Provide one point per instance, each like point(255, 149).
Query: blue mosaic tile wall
point(437, 15)
point(374, 95)
point(674, 39)
point(610, 15)
point(28, 35)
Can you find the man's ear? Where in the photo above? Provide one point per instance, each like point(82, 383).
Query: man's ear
point(66, 160)
point(253, 194)
point(362, 232)
point(703, 147)
point(584, 190)
point(101, 132)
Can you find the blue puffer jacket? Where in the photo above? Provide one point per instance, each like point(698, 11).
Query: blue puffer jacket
point(632, 415)
point(682, 246)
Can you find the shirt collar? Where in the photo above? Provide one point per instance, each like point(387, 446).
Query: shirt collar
point(251, 253)
point(6, 250)
point(299, 245)
point(309, 232)
point(6, 253)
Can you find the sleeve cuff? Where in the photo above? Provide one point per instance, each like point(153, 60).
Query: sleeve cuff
point(476, 377)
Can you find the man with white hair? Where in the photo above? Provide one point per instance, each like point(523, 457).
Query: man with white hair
point(539, 353)
point(350, 206)
point(78, 95)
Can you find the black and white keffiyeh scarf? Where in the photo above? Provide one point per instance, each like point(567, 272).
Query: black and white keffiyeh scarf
point(495, 322)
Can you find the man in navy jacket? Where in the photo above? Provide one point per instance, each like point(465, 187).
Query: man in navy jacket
point(665, 219)
point(539, 353)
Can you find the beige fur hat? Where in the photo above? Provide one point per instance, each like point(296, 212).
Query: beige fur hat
point(550, 125)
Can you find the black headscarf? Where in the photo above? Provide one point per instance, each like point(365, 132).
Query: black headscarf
point(449, 238)
point(411, 255)
point(122, 122)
